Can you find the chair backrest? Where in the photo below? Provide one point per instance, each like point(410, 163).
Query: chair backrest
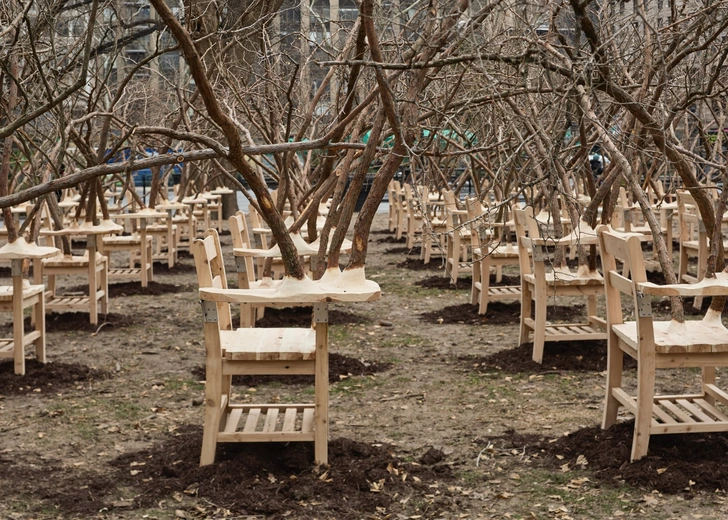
point(256, 222)
point(239, 230)
point(525, 227)
point(628, 249)
point(211, 271)
point(475, 209)
point(688, 217)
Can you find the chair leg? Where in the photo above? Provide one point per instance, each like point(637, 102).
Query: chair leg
point(485, 286)
point(526, 305)
point(39, 315)
point(104, 286)
point(683, 265)
point(645, 397)
point(321, 414)
point(708, 379)
point(474, 291)
point(539, 329)
point(93, 286)
point(615, 361)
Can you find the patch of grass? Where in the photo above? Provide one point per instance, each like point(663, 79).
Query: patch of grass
point(579, 496)
point(352, 385)
point(183, 385)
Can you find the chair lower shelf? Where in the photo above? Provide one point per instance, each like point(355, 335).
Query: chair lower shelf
point(67, 303)
point(508, 292)
point(268, 423)
point(569, 331)
point(692, 413)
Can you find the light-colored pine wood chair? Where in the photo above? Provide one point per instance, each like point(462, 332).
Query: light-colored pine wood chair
point(660, 344)
point(693, 238)
point(457, 238)
point(19, 296)
point(139, 247)
point(489, 252)
point(538, 284)
point(268, 351)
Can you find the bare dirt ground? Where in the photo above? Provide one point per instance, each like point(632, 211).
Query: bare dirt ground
point(435, 413)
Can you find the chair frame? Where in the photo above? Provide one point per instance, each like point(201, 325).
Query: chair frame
point(659, 344)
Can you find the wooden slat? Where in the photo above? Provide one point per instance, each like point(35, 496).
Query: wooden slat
point(289, 420)
point(252, 420)
point(662, 414)
point(233, 419)
point(712, 410)
point(307, 423)
point(675, 410)
point(627, 400)
point(270, 420)
point(717, 393)
point(695, 410)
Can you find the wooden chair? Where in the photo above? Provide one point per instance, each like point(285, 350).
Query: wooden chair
point(538, 284)
point(165, 234)
point(488, 252)
point(693, 238)
point(257, 351)
point(393, 189)
point(139, 247)
point(660, 344)
point(457, 237)
point(415, 217)
point(19, 296)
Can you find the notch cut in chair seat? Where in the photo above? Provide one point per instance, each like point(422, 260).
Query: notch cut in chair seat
point(269, 423)
point(698, 336)
point(284, 344)
point(6, 292)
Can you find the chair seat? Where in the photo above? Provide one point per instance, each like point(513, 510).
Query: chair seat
point(6, 292)
point(274, 344)
point(695, 336)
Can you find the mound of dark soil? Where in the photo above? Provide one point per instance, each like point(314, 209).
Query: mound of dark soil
point(301, 317)
point(340, 367)
point(163, 268)
point(415, 251)
point(416, 264)
point(572, 356)
point(498, 313)
point(152, 289)
point(392, 240)
point(276, 480)
point(445, 283)
point(45, 378)
point(678, 463)
point(136, 289)
point(78, 321)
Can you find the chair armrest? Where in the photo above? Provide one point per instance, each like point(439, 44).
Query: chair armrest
point(290, 290)
point(706, 287)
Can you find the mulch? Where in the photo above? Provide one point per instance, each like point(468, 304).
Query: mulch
point(676, 463)
point(301, 317)
point(46, 378)
point(566, 356)
point(277, 480)
point(340, 367)
point(415, 251)
point(79, 321)
point(416, 264)
point(392, 240)
point(499, 313)
point(463, 282)
point(136, 289)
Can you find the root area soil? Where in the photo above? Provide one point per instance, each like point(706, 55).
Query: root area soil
point(576, 356)
point(46, 378)
point(301, 317)
point(677, 463)
point(273, 479)
point(340, 367)
point(498, 313)
point(79, 321)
